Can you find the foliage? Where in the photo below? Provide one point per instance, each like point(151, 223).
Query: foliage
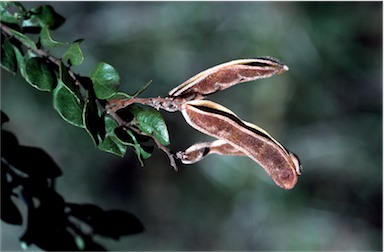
point(20, 53)
point(28, 175)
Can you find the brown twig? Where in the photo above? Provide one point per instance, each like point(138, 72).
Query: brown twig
point(170, 104)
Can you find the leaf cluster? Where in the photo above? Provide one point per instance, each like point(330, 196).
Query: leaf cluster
point(28, 176)
point(79, 100)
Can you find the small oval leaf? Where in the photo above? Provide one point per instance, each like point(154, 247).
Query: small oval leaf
point(74, 56)
point(106, 80)
point(40, 74)
point(68, 105)
point(151, 122)
point(21, 60)
point(43, 16)
point(111, 143)
point(24, 39)
point(128, 138)
point(93, 121)
point(67, 80)
point(46, 39)
point(14, 16)
point(49, 16)
point(8, 56)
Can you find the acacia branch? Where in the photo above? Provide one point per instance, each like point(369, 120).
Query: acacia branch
point(169, 104)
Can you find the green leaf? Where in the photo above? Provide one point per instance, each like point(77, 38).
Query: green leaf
point(24, 39)
point(139, 150)
point(128, 138)
point(68, 105)
point(111, 143)
point(21, 60)
point(11, 12)
point(74, 55)
point(93, 122)
point(106, 80)
point(46, 39)
point(151, 122)
point(43, 16)
point(40, 74)
point(68, 80)
point(8, 56)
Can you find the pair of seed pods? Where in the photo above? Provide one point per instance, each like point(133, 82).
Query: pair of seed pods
point(234, 136)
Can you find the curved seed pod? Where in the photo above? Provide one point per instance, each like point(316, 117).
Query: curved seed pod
point(229, 74)
point(198, 151)
point(217, 121)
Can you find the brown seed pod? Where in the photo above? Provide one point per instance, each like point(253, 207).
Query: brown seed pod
point(198, 151)
point(217, 121)
point(228, 74)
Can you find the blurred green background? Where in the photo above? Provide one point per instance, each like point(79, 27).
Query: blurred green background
point(327, 109)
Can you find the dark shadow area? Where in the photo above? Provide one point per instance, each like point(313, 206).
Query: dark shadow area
point(28, 176)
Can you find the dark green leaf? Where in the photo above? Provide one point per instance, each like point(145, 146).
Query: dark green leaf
point(111, 143)
point(93, 121)
point(105, 80)
point(43, 16)
point(11, 12)
point(46, 39)
point(24, 39)
point(68, 80)
point(151, 122)
point(138, 148)
point(21, 60)
point(8, 57)
point(74, 55)
point(40, 74)
point(68, 105)
point(125, 114)
point(128, 138)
